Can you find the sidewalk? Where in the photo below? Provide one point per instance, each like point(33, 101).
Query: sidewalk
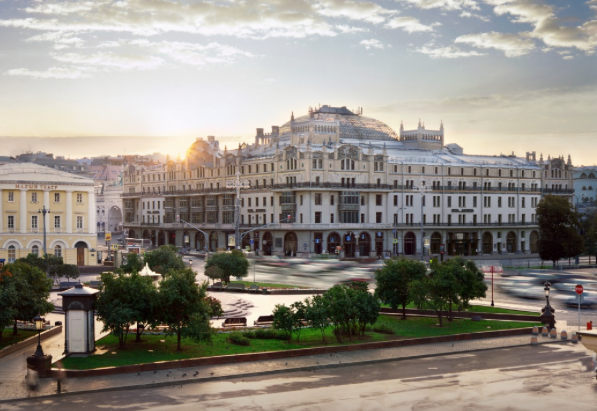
point(13, 385)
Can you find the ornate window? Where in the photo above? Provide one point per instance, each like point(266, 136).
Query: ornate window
point(35, 250)
point(12, 254)
point(58, 251)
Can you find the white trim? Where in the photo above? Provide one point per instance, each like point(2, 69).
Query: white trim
point(10, 241)
point(83, 240)
point(59, 242)
point(32, 242)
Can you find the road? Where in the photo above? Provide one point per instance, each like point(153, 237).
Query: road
point(523, 378)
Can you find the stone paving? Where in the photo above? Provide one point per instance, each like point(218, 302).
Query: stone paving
point(13, 386)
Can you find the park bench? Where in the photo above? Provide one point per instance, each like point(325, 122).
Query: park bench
point(234, 322)
point(254, 287)
point(235, 287)
point(65, 285)
point(217, 286)
point(95, 284)
point(264, 320)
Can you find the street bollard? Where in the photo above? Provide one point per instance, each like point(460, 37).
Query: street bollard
point(535, 330)
point(553, 333)
point(544, 332)
point(534, 340)
point(574, 338)
point(564, 335)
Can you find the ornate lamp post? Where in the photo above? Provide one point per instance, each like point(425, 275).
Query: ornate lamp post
point(39, 361)
point(547, 315)
point(39, 325)
point(43, 211)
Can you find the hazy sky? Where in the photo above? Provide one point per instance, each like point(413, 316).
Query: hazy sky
point(504, 75)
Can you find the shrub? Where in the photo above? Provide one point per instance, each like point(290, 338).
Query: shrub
point(239, 339)
point(382, 329)
point(269, 334)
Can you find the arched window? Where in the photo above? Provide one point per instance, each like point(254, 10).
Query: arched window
point(590, 187)
point(12, 254)
point(583, 175)
point(591, 175)
point(35, 250)
point(584, 188)
point(58, 251)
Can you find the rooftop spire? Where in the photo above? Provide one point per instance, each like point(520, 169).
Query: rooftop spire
point(292, 116)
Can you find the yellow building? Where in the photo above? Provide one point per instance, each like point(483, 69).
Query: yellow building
point(25, 188)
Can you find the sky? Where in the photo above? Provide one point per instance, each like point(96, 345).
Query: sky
point(503, 75)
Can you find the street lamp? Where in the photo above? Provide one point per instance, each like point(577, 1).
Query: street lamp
point(39, 325)
point(547, 312)
point(43, 211)
point(422, 188)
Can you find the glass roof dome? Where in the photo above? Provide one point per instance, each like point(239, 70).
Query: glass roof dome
point(352, 126)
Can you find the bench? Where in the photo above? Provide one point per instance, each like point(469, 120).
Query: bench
point(95, 284)
point(65, 285)
point(235, 286)
point(234, 322)
point(264, 320)
point(217, 285)
point(254, 287)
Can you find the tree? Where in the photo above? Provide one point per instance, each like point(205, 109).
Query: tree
point(114, 307)
point(393, 279)
point(316, 314)
point(214, 273)
point(134, 263)
point(558, 229)
point(298, 316)
point(69, 271)
point(181, 301)
point(284, 320)
point(435, 291)
point(233, 264)
point(141, 295)
point(50, 264)
point(589, 232)
point(163, 259)
point(32, 287)
point(368, 306)
point(215, 307)
point(8, 299)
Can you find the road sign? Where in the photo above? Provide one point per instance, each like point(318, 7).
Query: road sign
point(395, 241)
point(496, 269)
point(251, 241)
point(108, 236)
point(114, 246)
point(579, 289)
point(442, 248)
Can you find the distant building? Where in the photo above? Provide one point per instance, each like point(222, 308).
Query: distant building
point(57, 163)
point(585, 186)
point(334, 179)
point(25, 188)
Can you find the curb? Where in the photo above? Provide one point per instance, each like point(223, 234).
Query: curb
point(260, 373)
point(30, 341)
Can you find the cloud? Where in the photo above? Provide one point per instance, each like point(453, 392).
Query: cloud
point(246, 19)
point(372, 44)
point(468, 14)
point(363, 11)
point(110, 60)
point(342, 28)
point(60, 40)
point(449, 52)
point(443, 4)
point(547, 26)
point(511, 44)
point(409, 24)
point(52, 72)
point(568, 57)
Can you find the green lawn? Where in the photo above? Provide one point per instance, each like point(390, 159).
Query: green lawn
point(483, 309)
point(138, 353)
point(265, 285)
point(9, 339)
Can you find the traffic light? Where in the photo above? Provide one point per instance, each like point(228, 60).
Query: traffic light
point(289, 218)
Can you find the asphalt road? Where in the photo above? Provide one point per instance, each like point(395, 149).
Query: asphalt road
point(525, 378)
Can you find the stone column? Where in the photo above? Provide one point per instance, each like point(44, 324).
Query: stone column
point(92, 212)
point(69, 211)
point(23, 211)
point(46, 203)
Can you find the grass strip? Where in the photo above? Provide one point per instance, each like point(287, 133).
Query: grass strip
point(155, 348)
point(481, 309)
point(9, 339)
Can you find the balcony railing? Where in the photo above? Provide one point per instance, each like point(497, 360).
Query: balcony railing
point(340, 186)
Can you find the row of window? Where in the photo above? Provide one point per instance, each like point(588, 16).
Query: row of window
point(12, 252)
point(34, 199)
point(436, 170)
point(10, 222)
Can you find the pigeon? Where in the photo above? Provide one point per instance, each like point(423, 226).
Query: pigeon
point(154, 372)
point(184, 375)
point(211, 373)
point(138, 373)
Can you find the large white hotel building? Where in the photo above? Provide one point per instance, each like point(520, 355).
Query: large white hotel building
point(335, 178)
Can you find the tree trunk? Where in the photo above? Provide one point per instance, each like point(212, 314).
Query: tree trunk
point(138, 337)
point(404, 311)
point(15, 330)
point(178, 333)
point(440, 317)
point(450, 312)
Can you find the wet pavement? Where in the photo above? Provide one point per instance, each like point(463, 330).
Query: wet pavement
point(14, 387)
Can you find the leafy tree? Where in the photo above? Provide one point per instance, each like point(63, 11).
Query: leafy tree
point(298, 315)
point(8, 299)
point(393, 281)
point(214, 273)
point(284, 320)
point(141, 295)
point(69, 271)
point(163, 259)
point(32, 287)
point(51, 264)
point(114, 307)
point(589, 232)
point(316, 314)
point(215, 307)
point(435, 291)
point(558, 229)
point(339, 307)
point(181, 303)
point(134, 263)
point(368, 306)
point(232, 264)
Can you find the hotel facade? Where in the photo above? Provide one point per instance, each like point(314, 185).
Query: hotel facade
point(335, 180)
point(27, 188)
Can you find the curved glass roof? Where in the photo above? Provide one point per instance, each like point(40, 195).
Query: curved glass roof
point(352, 126)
